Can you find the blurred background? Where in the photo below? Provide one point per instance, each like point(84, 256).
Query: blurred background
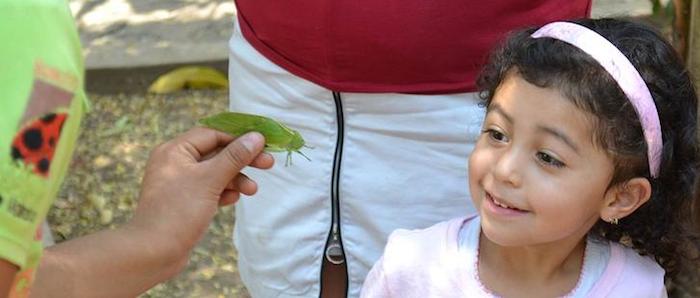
point(130, 43)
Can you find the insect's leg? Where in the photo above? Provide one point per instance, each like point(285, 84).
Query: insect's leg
point(288, 162)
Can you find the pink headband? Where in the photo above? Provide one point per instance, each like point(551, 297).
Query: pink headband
point(622, 70)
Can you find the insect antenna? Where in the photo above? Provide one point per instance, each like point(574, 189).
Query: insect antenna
point(302, 154)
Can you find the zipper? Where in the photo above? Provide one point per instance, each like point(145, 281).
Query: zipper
point(333, 265)
point(334, 246)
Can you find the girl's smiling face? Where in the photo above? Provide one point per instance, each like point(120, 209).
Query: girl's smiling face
point(535, 175)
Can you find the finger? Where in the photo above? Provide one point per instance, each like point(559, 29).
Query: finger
point(200, 141)
point(228, 163)
point(233, 184)
point(263, 161)
point(244, 185)
point(212, 153)
point(229, 197)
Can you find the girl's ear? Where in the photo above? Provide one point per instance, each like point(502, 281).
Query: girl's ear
point(623, 199)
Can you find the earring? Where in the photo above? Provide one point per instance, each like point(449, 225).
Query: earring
point(613, 220)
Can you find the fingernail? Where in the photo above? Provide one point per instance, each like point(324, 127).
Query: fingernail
point(249, 140)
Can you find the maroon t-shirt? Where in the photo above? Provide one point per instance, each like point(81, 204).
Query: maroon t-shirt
point(407, 46)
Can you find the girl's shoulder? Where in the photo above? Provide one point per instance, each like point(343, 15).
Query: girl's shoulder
point(421, 263)
point(440, 236)
point(431, 245)
point(630, 274)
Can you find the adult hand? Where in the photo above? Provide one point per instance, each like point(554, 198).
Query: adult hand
point(187, 178)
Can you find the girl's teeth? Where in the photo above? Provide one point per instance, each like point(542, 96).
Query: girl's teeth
point(502, 205)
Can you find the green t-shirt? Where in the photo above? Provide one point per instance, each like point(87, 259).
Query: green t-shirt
point(42, 98)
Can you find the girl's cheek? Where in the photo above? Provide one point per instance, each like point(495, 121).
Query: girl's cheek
point(478, 162)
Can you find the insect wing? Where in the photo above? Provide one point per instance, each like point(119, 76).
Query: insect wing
point(276, 134)
point(234, 124)
point(274, 148)
point(278, 137)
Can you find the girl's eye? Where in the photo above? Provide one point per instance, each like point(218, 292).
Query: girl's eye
point(549, 160)
point(496, 135)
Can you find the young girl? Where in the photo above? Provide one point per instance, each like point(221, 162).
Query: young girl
point(582, 177)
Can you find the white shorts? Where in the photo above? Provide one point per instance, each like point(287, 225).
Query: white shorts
point(403, 164)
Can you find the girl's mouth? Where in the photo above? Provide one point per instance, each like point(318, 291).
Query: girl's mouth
point(500, 207)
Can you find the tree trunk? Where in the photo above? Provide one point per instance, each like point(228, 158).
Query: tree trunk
point(693, 49)
point(681, 26)
point(693, 60)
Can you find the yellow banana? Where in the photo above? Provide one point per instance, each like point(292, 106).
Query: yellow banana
point(189, 77)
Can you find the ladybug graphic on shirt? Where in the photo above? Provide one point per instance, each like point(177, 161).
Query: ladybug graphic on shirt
point(35, 143)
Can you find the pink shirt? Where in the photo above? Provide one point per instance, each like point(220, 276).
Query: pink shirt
point(406, 46)
point(431, 263)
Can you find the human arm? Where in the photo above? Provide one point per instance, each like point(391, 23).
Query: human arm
point(7, 274)
point(186, 179)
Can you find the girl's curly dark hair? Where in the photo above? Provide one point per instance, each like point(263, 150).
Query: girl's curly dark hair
point(663, 227)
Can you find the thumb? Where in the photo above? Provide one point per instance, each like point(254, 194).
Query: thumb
point(238, 154)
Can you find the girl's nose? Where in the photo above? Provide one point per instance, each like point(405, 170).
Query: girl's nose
point(508, 168)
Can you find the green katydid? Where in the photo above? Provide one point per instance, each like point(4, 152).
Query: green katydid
point(278, 137)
